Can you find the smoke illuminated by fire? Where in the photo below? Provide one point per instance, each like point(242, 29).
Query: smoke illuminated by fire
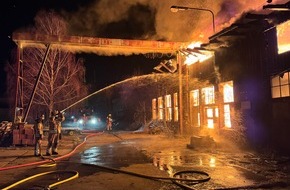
point(154, 20)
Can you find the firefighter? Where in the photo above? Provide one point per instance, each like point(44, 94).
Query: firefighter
point(38, 135)
point(84, 120)
point(59, 118)
point(109, 122)
point(52, 136)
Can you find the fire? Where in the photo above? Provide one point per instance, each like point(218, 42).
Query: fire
point(194, 44)
point(283, 37)
point(196, 55)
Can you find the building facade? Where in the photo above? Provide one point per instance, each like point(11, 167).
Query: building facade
point(245, 86)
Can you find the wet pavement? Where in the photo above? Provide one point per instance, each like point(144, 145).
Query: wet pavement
point(152, 155)
point(114, 155)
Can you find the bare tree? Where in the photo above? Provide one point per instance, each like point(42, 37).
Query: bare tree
point(61, 81)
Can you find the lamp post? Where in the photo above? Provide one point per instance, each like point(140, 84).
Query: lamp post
point(278, 7)
point(175, 8)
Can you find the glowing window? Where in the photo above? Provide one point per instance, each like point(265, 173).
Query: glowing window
point(280, 85)
point(210, 121)
point(195, 97)
point(175, 104)
point(216, 112)
point(154, 109)
point(208, 95)
point(160, 108)
point(168, 106)
point(228, 91)
point(209, 113)
point(283, 37)
point(194, 108)
point(227, 116)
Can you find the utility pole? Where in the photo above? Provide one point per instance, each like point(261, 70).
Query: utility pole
point(179, 63)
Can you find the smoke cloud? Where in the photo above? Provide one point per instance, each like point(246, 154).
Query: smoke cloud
point(153, 20)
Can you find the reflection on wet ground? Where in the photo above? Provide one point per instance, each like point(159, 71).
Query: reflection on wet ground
point(178, 159)
point(225, 169)
point(115, 155)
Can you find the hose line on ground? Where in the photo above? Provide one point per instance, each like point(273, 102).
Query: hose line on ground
point(46, 161)
point(49, 164)
point(75, 175)
point(204, 177)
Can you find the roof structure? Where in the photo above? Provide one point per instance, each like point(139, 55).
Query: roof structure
point(100, 46)
point(266, 19)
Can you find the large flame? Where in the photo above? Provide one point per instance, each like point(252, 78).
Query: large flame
point(283, 31)
point(194, 56)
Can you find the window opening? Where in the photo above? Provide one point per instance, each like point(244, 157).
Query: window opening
point(210, 119)
point(194, 108)
point(168, 106)
point(154, 108)
point(208, 95)
point(160, 108)
point(280, 85)
point(228, 92)
point(227, 116)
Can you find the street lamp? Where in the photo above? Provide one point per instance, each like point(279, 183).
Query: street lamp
point(175, 9)
point(278, 7)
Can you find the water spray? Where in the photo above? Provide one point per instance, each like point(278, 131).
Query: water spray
point(110, 86)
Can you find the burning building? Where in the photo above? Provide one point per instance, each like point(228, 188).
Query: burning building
point(247, 90)
point(239, 81)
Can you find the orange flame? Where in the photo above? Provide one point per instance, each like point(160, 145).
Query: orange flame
point(283, 37)
point(196, 56)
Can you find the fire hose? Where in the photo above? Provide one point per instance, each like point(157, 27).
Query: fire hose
point(75, 175)
point(178, 177)
point(46, 163)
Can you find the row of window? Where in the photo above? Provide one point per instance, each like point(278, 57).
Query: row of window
point(158, 108)
point(168, 109)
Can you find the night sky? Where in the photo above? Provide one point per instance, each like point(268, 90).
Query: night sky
point(121, 19)
point(101, 70)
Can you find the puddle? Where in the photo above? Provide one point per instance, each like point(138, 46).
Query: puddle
point(179, 159)
point(115, 155)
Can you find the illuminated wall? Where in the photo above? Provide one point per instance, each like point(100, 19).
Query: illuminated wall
point(175, 105)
